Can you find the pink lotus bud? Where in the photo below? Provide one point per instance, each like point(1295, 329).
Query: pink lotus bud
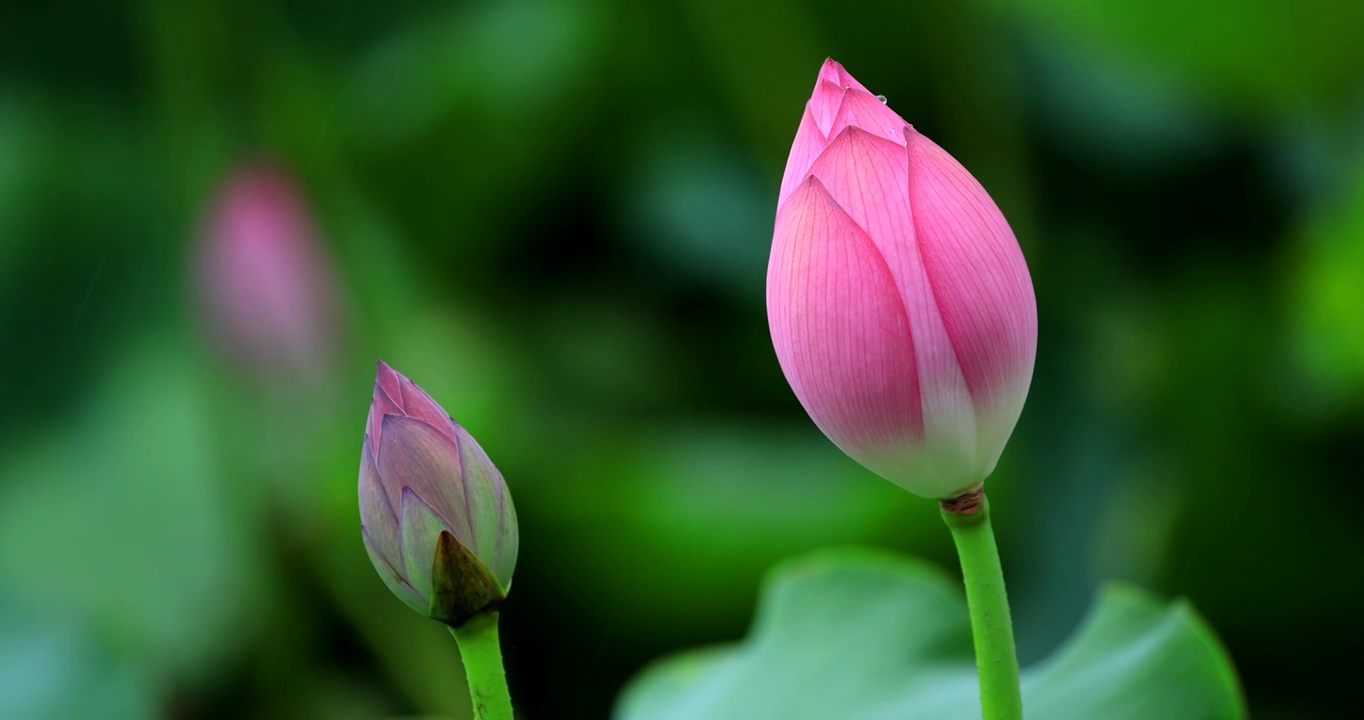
point(900, 305)
point(266, 285)
point(435, 514)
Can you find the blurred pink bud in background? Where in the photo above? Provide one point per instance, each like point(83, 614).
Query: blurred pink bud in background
point(265, 283)
point(899, 302)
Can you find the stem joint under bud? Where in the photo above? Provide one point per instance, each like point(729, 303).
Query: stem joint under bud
point(966, 503)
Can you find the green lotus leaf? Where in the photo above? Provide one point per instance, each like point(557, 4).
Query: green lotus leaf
point(855, 633)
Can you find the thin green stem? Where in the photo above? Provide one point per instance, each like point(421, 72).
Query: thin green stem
point(991, 628)
point(482, 654)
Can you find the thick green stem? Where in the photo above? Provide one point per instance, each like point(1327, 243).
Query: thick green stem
point(482, 654)
point(991, 628)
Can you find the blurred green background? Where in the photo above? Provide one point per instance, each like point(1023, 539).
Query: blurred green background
point(554, 215)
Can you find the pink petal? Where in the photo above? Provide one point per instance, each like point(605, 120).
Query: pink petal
point(868, 176)
point(863, 110)
point(840, 331)
point(824, 104)
point(809, 143)
point(981, 284)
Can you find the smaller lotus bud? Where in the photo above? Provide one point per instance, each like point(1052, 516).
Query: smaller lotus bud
point(435, 514)
point(266, 285)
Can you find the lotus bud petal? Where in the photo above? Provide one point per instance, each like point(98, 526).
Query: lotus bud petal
point(899, 302)
point(435, 514)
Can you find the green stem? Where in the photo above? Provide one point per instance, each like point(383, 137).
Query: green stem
point(991, 629)
point(482, 654)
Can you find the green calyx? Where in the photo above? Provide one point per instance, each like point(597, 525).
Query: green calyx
point(461, 585)
point(445, 572)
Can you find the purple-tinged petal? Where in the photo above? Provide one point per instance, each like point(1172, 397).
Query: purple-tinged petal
point(981, 282)
point(495, 535)
point(387, 385)
point(385, 401)
point(392, 578)
point(417, 404)
point(415, 456)
point(396, 395)
point(378, 510)
point(841, 333)
point(422, 527)
point(808, 145)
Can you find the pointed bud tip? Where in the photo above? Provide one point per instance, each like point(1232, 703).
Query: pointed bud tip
point(384, 373)
point(388, 386)
point(832, 71)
